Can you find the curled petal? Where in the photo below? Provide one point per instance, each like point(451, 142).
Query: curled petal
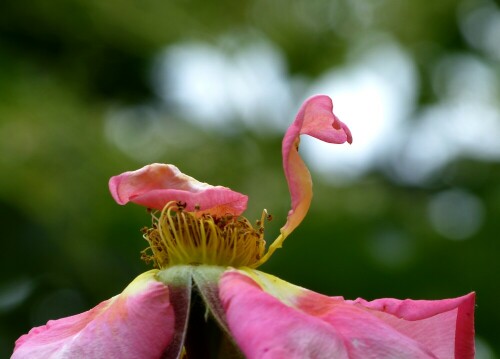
point(265, 314)
point(138, 323)
point(157, 184)
point(315, 118)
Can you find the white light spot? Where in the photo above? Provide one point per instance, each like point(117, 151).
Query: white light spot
point(465, 78)
point(14, 293)
point(372, 96)
point(236, 80)
point(480, 25)
point(456, 214)
point(391, 248)
point(143, 133)
point(483, 349)
point(465, 122)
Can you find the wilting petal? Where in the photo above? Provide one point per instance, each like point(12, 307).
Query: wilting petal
point(315, 118)
point(138, 323)
point(157, 184)
point(265, 314)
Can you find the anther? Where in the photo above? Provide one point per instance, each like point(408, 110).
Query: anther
point(181, 205)
point(182, 237)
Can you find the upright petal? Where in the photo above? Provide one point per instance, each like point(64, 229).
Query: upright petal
point(138, 323)
point(315, 118)
point(265, 314)
point(157, 184)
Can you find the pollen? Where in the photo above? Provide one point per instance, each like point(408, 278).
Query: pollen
point(181, 237)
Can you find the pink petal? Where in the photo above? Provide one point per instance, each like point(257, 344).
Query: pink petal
point(157, 184)
point(263, 327)
point(434, 322)
point(265, 314)
point(315, 118)
point(138, 323)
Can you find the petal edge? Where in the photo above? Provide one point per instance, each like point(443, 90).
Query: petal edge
point(137, 323)
point(157, 184)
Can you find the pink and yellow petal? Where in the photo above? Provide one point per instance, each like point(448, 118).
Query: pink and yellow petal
point(263, 327)
point(138, 323)
point(157, 184)
point(362, 332)
point(315, 118)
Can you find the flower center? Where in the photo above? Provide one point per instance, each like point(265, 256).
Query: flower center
point(181, 237)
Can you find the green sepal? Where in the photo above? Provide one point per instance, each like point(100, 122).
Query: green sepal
point(180, 284)
point(179, 280)
point(206, 279)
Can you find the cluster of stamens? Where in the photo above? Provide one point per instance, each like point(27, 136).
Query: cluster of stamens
point(181, 237)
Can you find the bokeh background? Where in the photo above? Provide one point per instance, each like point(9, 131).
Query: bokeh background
point(92, 88)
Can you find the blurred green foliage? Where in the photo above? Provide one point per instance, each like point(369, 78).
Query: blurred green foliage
point(65, 64)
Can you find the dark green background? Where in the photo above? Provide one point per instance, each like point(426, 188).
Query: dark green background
point(64, 65)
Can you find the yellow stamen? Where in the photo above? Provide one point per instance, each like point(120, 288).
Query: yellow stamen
point(275, 245)
point(181, 237)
